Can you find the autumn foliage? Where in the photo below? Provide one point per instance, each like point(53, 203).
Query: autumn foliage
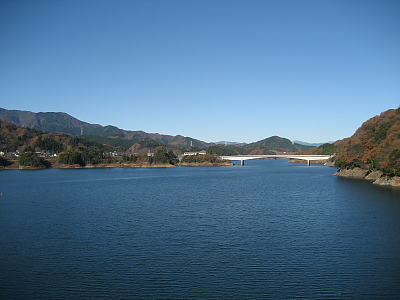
point(374, 146)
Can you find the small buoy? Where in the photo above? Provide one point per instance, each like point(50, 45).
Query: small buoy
point(1, 194)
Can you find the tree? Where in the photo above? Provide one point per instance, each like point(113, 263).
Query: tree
point(31, 159)
point(72, 158)
point(172, 157)
point(50, 145)
point(4, 162)
point(160, 157)
point(129, 158)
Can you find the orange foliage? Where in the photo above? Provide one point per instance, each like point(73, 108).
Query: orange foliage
point(374, 142)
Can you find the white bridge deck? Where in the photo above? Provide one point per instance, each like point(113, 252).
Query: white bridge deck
point(307, 158)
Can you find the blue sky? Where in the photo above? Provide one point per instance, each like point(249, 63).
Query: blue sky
point(212, 70)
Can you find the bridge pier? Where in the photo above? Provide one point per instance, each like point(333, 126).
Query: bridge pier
point(308, 162)
point(242, 162)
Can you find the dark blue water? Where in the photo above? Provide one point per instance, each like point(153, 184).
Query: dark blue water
point(268, 230)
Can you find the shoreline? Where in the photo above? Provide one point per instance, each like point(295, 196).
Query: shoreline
point(16, 166)
point(205, 164)
point(376, 177)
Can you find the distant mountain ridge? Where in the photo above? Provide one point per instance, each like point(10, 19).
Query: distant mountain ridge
point(229, 143)
point(62, 122)
point(57, 122)
point(47, 121)
point(312, 144)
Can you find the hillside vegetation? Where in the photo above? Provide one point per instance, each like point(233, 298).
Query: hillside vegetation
point(239, 150)
point(15, 138)
point(280, 144)
point(374, 146)
point(58, 122)
point(32, 147)
point(27, 143)
point(326, 149)
point(140, 141)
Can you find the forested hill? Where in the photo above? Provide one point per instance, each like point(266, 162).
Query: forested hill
point(326, 149)
point(38, 149)
point(23, 139)
point(57, 122)
point(280, 144)
point(374, 146)
point(49, 121)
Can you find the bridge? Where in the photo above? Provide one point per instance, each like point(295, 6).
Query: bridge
point(307, 158)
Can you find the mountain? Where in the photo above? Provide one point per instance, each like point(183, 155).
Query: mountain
point(61, 122)
point(32, 148)
point(15, 138)
point(375, 146)
point(271, 145)
point(58, 122)
point(326, 149)
point(280, 144)
point(312, 144)
point(47, 121)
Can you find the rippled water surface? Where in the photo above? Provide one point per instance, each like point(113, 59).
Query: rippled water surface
point(268, 230)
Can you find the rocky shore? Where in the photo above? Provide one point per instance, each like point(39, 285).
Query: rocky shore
point(375, 176)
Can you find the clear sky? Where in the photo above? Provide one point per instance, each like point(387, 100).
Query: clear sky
point(209, 69)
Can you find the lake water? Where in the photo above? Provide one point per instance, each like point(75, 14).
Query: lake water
point(268, 230)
